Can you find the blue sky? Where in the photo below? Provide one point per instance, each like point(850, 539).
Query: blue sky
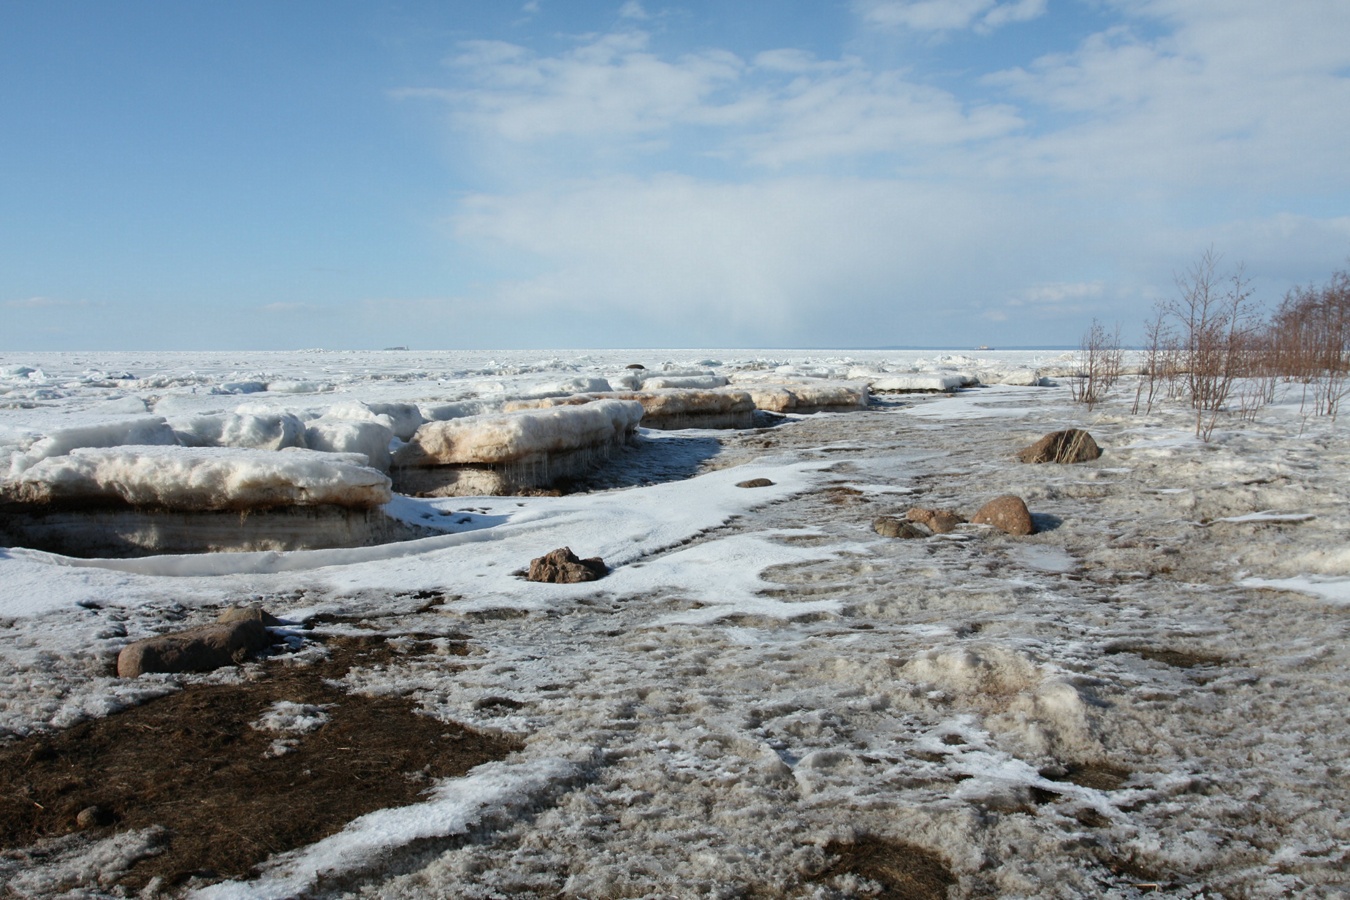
point(639, 174)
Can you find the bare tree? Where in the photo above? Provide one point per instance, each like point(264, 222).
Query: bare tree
point(1214, 321)
point(1159, 363)
point(1102, 361)
point(1311, 329)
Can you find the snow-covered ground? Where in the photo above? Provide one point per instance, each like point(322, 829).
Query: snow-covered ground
point(1148, 694)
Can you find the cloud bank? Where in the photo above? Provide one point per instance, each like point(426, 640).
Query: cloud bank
point(782, 197)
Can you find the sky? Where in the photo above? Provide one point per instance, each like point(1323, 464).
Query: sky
point(759, 173)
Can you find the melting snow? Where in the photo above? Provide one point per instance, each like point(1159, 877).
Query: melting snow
point(1120, 702)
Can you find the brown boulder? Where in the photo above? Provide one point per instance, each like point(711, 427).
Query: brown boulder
point(1008, 513)
point(754, 483)
point(562, 567)
point(1070, 446)
point(938, 521)
point(248, 614)
point(199, 649)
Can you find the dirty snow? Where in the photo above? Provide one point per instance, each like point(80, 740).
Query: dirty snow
point(1120, 704)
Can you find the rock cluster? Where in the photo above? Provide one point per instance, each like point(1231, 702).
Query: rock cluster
point(563, 567)
point(1008, 514)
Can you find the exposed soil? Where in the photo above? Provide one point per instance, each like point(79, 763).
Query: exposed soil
point(192, 764)
point(1177, 659)
point(904, 871)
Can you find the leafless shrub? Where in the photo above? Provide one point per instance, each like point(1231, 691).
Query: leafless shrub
point(1215, 324)
point(1258, 373)
point(1208, 347)
point(1159, 370)
point(1311, 332)
point(1102, 361)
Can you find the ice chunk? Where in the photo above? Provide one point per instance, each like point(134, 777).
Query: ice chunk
point(914, 384)
point(147, 430)
point(670, 409)
point(369, 437)
point(510, 436)
point(240, 387)
point(262, 431)
point(198, 478)
point(1014, 377)
point(300, 387)
point(807, 398)
point(704, 382)
point(440, 412)
point(569, 386)
point(404, 418)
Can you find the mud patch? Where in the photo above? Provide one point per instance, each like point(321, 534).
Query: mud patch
point(194, 764)
point(1099, 776)
point(1177, 659)
point(902, 871)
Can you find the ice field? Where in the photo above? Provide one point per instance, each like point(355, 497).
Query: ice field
point(1146, 696)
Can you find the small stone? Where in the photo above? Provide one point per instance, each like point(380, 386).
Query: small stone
point(1070, 446)
point(563, 567)
point(1008, 514)
point(938, 521)
point(754, 483)
point(92, 817)
point(890, 526)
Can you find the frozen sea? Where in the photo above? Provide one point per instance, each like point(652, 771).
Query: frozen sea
point(1149, 695)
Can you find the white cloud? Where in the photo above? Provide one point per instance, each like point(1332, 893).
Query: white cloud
point(1232, 94)
point(1070, 187)
point(633, 10)
point(760, 263)
point(849, 111)
point(947, 15)
point(1063, 292)
point(289, 308)
point(1019, 11)
point(610, 85)
point(783, 107)
point(48, 303)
